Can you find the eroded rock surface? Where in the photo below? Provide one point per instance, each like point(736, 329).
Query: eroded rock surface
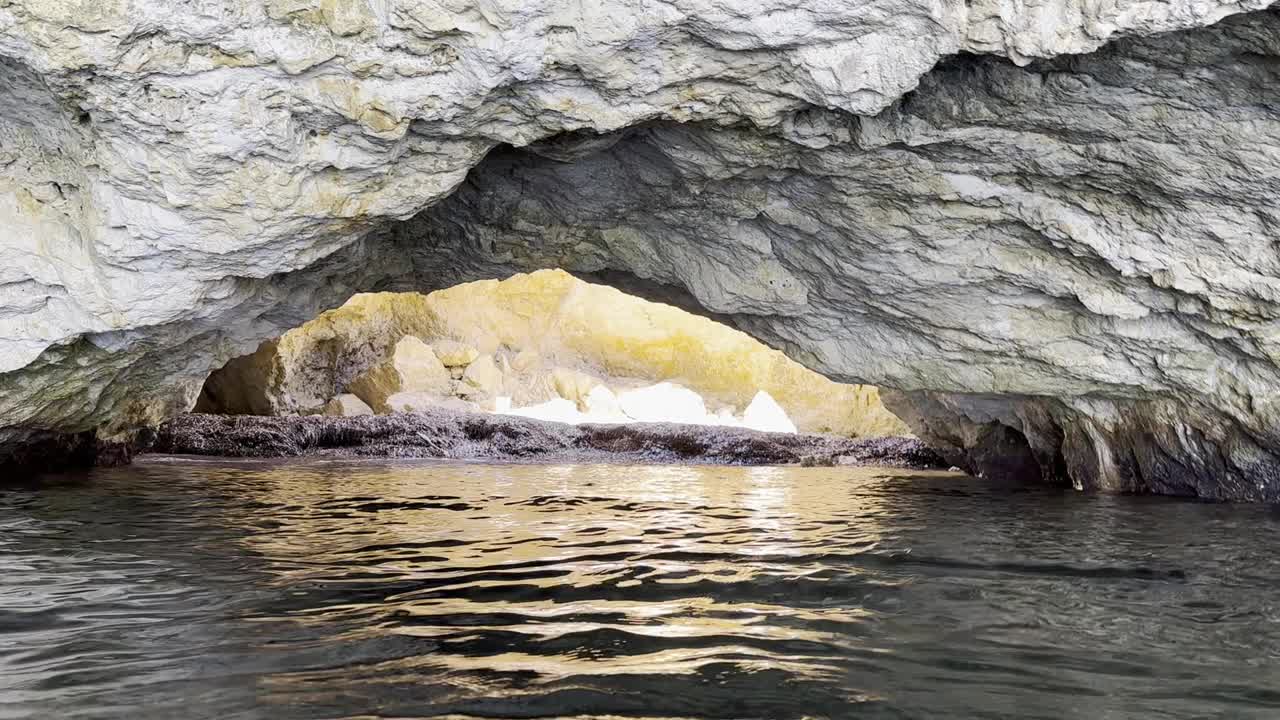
point(1065, 233)
point(411, 367)
point(346, 405)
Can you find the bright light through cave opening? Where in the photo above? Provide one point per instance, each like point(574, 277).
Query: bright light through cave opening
point(546, 346)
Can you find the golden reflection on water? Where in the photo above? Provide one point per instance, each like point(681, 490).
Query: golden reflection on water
point(537, 509)
point(540, 554)
point(351, 589)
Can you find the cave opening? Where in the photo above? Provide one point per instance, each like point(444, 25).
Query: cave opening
point(643, 211)
point(548, 346)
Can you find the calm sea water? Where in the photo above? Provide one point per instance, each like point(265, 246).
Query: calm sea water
point(186, 589)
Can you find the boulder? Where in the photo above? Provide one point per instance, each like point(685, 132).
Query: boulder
point(482, 380)
point(460, 405)
point(411, 367)
point(346, 405)
point(525, 360)
point(573, 385)
point(527, 388)
point(413, 401)
point(454, 354)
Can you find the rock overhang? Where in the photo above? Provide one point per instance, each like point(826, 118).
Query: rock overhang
point(1084, 238)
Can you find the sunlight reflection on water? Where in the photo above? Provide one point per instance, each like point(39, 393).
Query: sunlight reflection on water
point(331, 589)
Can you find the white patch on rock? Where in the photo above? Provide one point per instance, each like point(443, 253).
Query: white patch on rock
point(555, 410)
point(602, 406)
point(664, 402)
point(346, 405)
point(766, 415)
point(416, 401)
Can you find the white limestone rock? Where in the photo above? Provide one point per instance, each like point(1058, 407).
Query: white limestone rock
point(346, 405)
point(573, 385)
point(1076, 251)
point(418, 401)
point(412, 367)
point(525, 361)
point(547, 318)
point(455, 354)
point(526, 388)
point(482, 381)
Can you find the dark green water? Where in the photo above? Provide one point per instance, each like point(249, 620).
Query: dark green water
point(180, 589)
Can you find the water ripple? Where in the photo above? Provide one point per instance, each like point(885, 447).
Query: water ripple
point(340, 589)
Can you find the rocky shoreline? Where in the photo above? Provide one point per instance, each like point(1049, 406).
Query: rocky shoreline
point(449, 434)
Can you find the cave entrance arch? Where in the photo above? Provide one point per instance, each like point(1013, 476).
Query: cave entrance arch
point(1024, 247)
point(545, 345)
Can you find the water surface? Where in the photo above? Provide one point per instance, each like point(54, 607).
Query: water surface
point(190, 589)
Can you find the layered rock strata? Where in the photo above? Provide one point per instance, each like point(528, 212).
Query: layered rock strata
point(1051, 227)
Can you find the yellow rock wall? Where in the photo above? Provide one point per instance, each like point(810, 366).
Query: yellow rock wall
point(565, 322)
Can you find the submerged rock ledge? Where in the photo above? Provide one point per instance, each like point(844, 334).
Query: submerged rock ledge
point(442, 433)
